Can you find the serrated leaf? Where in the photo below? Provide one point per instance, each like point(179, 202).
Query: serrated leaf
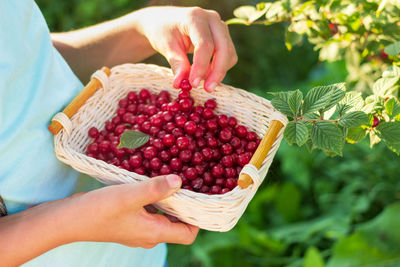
point(351, 101)
point(392, 107)
point(392, 71)
point(327, 136)
point(296, 133)
point(395, 147)
point(353, 119)
point(389, 131)
point(295, 101)
point(355, 135)
point(393, 49)
point(281, 102)
point(382, 86)
point(317, 98)
point(249, 13)
point(309, 145)
point(274, 11)
point(133, 139)
point(373, 139)
point(339, 92)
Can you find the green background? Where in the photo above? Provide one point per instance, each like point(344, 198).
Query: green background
point(311, 210)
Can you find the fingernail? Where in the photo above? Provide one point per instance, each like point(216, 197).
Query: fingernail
point(174, 181)
point(196, 82)
point(212, 86)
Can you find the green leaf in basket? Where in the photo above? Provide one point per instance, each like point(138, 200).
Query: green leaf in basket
point(133, 139)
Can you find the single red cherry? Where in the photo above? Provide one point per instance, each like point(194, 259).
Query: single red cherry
point(150, 152)
point(184, 95)
point(123, 103)
point(185, 85)
point(208, 113)
point(215, 189)
point(185, 104)
point(210, 103)
point(175, 164)
point(93, 148)
point(207, 153)
point(185, 155)
point(230, 183)
point(135, 161)
point(155, 164)
point(144, 94)
point(132, 97)
point(217, 171)
point(190, 127)
point(232, 122)
point(191, 173)
point(182, 143)
point(180, 121)
point(208, 178)
point(93, 132)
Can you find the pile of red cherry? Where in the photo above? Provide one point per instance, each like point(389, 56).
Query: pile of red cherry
point(206, 150)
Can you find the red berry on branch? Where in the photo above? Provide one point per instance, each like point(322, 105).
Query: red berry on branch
point(376, 122)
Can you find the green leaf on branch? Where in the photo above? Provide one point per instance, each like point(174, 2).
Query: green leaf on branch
point(323, 97)
point(296, 133)
point(392, 107)
point(327, 136)
point(313, 258)
point(392, 71)
point(338, 93)
point(373, 138)
point(249, 13)
point(389, 131)
point(393, 49)
point(355, 135)
point(295, 101)
point(395, 147)
point(353, 119)
point(281, 102)
point(383, 86)
point(133, 139)
point(351, 101)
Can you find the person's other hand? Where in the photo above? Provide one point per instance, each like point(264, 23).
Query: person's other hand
point(116, 214)
point(174, 32)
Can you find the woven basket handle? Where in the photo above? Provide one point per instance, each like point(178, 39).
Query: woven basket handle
point(78, 101)
point(262, 151)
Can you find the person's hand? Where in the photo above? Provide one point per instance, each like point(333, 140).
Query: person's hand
point(116, 214)
point(174, 32)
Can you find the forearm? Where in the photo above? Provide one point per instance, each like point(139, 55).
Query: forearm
point(107, 44)
point(28, 234)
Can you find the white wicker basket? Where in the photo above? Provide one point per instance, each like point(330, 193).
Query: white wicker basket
point(211, 212)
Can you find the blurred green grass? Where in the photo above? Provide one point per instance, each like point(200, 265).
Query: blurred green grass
point(311, 208)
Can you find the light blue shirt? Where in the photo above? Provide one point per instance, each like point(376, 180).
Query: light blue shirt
point(36, 83)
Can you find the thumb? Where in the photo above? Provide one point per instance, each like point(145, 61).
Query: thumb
point(157, 188)
point(180, 66)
